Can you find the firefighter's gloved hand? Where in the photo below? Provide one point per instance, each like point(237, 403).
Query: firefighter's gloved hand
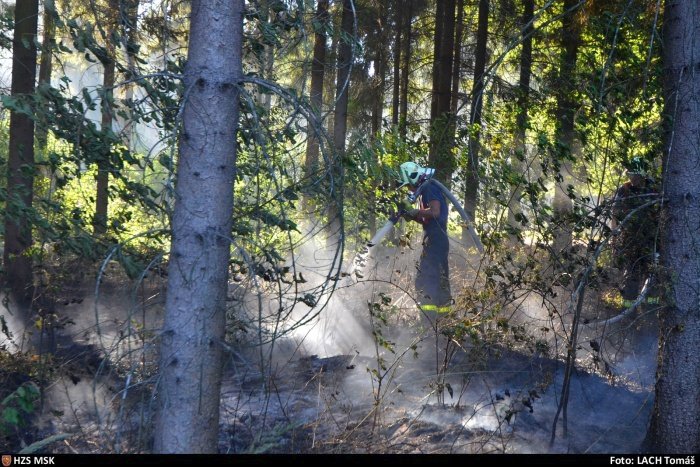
point(411, 214)
point(404, 206)
point(394, 218)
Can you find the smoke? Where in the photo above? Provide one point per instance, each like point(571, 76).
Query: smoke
point(320, 306)
point(104, 343)
point(495, 399)
point(79, 404)
point(323, 314)
point(501, 400)
point(340, 329)
point(13, 331)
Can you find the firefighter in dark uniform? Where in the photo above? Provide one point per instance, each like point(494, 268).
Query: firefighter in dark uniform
point(635, 248)
point(432, 279)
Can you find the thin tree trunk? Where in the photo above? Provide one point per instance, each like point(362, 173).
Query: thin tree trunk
point(379, 73)
point(457, 65)
point(46, 62)
point(340, 120)
point(675, 421)
point(396, 85)
point(129, 25)
point(332, 61)
point(566, 108)
point(437, 47)
point(191, 353)
point(20, 164)
point(343, 79)
point(471, 190)
point(103, 165)
point(447, 52)
point(523, 102)
point(405, 69)
point(99, 222)
point(378, 104)
point(318, 68)
point(266, 59)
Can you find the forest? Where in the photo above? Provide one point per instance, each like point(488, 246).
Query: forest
point(209, 242)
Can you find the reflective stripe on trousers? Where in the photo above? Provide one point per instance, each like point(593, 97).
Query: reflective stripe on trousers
point(438, 309)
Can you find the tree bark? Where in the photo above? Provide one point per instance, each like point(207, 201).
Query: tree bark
point(20, 164)
point(379, 74)
point(193, 331)
point(103, 164)
point(396, 85)
point(440, 156)
point(318, 68)
point(332, 58)
point(343, 79)
point(99, 222)
point(675, 421)
point(405, 69)
point(437, 47)
point(129, 27)
point(457, 65)
point(566, 109)
point(46, 62)
point(340, 119)
point(471, 187)
point(523, 102)
point(378, 103)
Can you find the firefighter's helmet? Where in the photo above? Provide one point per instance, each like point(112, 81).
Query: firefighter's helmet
point(411, 173)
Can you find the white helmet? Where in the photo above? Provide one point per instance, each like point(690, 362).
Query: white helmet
point(411, 173)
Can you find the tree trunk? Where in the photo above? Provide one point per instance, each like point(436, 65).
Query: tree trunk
point(20, 164)
point(440, 156)
point(566, 109)
point(675, 421)
point(457, 65)
point(471, 187)
point(396, 85)
point(266, 58)
point(332, 60)
point(523, 102)
point(129, 26)
point(378, 104)
point(103, 164)
point(99, 222)
point(318, 68)
point(405, 69)
point(379, 75)
point(193, 331)
point(340, 119)
point(46, 62)
point(437, 47)
point(343, 79)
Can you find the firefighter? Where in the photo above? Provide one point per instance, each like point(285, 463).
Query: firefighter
point(432, 279)
point(637, 219)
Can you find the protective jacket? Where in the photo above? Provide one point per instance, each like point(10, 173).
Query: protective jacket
point(432, 279)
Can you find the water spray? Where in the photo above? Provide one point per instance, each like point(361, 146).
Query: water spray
point(360, 258)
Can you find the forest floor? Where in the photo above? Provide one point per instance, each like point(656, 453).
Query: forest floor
point(496, 400)
point(487, 397)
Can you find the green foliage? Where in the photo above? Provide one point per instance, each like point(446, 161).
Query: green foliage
point(380, 312)
point(17, 408)
point(6, 26)
point(370, 174)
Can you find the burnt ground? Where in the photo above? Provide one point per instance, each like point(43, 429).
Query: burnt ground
point(490, 397)
point(504, 403)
